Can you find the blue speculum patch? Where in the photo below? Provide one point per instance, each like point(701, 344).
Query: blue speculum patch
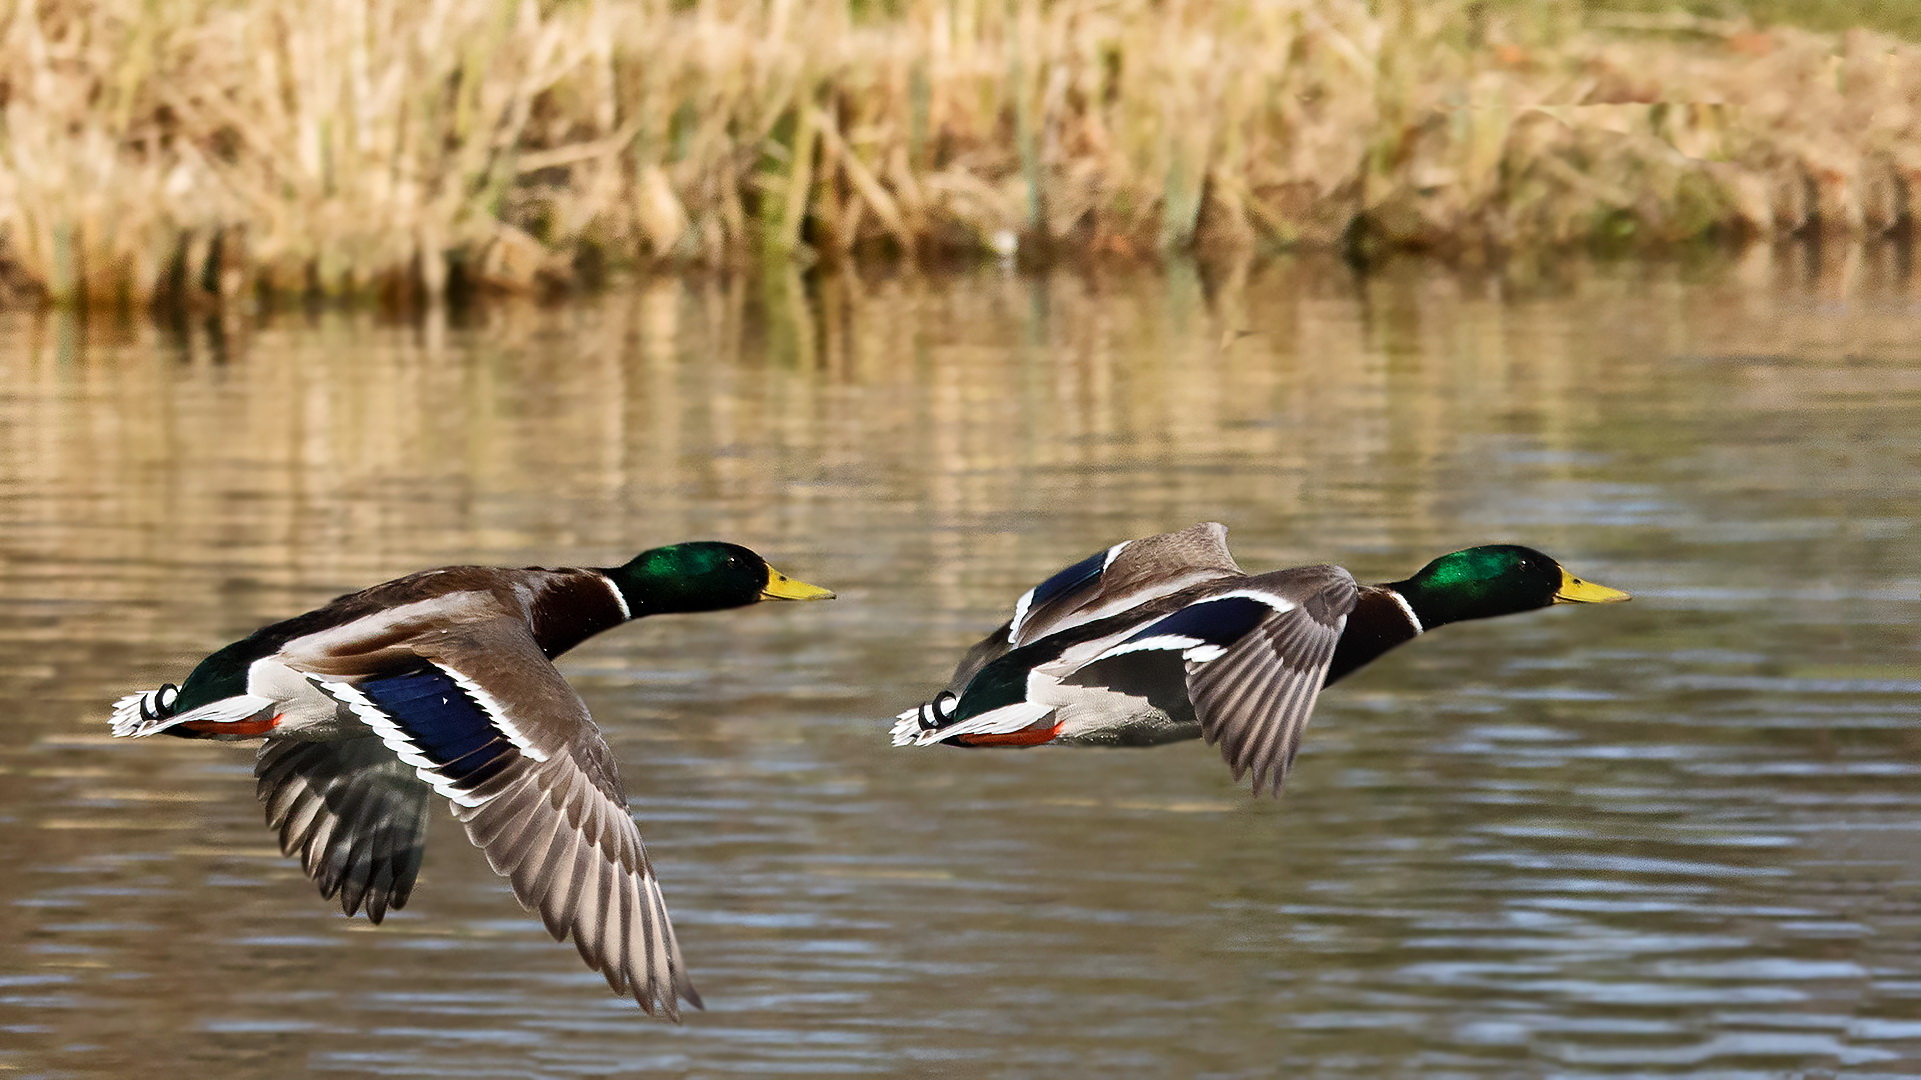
point(1069, 580)
point(1217, 622)
point(449, 727)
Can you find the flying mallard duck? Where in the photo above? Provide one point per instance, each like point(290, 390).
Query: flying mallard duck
point(441, 681)
point(1164, 638)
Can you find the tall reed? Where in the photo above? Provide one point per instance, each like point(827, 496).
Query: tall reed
point(228, 148)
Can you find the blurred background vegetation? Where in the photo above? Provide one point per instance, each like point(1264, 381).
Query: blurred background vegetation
point(1888, 16)
point(211, 150)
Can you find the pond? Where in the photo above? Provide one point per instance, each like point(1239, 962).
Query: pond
point(1680, 836)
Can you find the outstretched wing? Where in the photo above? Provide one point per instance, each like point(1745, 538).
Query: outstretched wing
point(354, 814)
point(1254, 697)
point(489, 723)
point(1250, 660)
point(1107, 583)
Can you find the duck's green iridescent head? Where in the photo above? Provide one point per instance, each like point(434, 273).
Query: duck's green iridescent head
point(704, 575)
point(1497, 579)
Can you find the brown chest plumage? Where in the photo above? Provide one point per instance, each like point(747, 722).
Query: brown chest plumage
point(573, 606)
point(1378, 623)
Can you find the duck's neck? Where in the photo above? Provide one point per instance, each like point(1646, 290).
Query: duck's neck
point(576, 607)
point(1383, 617)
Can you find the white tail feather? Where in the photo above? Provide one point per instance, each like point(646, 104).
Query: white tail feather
point(133, 715)
point(907, 729)
point(912, 726)
point(1007, 719)
point(138, 715)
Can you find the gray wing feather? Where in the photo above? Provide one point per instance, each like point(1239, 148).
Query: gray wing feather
point(1145, 570)
point(1256, 698)
point(353, 813)
point(574, 857)
point(558, 830)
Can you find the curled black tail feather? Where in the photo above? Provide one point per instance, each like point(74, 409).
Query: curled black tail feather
point(926, 717)
point(137, 714)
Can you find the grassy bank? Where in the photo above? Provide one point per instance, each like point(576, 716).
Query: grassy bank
point(227, 148)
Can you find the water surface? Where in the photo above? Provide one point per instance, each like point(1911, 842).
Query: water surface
point(1674, 837)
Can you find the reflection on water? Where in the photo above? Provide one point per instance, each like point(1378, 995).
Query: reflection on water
point(1673, 837)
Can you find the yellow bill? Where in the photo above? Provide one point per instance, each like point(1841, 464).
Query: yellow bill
point(781, 587)
point(1575, 591)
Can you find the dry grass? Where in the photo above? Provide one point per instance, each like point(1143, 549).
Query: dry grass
point(222, 148)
